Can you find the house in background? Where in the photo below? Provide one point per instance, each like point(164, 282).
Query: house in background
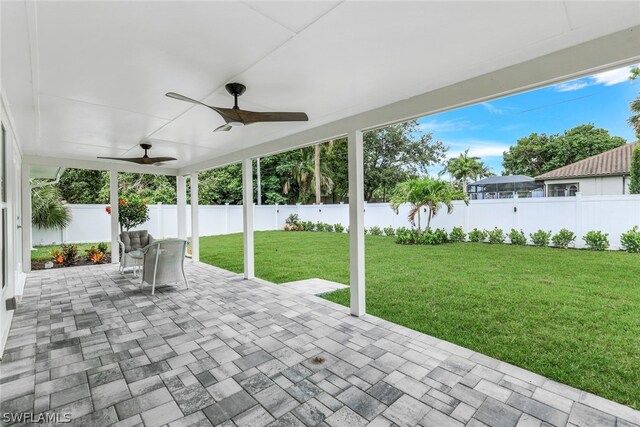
point(505, 187)
point(601, 175)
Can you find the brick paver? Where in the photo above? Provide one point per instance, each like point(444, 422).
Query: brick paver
point(88, 342)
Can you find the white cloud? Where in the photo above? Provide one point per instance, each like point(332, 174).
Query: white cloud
point(571, 86)
point(434, 125)
point(608, 78)
point(492, 108)
point(613, 77)
point(477, 148)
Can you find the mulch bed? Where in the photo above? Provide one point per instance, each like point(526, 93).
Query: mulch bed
point(80, 261)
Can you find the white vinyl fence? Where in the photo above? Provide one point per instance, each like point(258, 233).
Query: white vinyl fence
point(610, 214)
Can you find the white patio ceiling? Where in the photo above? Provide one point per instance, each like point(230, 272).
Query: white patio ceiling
point(87, 79)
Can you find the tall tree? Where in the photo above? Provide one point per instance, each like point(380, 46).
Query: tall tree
point(394, 154)
point(316, 173)
point(538, 154)
point(465, 167)
point(634, 106)
point(84, 186)
point(426, 192)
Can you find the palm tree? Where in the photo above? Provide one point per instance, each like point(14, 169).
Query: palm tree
point(634, 120)
point(427, 193)
point(464, 167)
point(49, 211)
point(301, 170)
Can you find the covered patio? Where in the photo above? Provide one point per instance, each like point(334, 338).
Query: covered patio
point(82, 80)
point(87, 342)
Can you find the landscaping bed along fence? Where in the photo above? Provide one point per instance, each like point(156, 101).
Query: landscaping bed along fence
point(611, 215)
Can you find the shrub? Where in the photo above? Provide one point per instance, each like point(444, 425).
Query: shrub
point(517, 237)
point(389, 231)
point(66, 255)
point(338, 228)
point(293, 219)
point(434, 237)
point(563, 238)
point(457, 235)
point(404, 236)
point(630, 241)
point(327, 228)
point(596, 240)
point(307, 225)
point(102, 247)
point(375, 231)
point(477, 235)
point(540, 238)
point(95, 255)
point(496, 236)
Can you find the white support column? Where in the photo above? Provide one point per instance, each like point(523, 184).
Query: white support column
point(27, 244)
point(195, 229)
point(356, 223)
point(115, 226)
point(181, 192)
point(247, 216)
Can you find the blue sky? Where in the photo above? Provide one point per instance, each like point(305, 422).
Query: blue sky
point(489, 128)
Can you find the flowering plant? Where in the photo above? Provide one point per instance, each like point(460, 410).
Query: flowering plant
point(131, 212)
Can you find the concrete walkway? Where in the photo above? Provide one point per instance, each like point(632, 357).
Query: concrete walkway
point(89, 343)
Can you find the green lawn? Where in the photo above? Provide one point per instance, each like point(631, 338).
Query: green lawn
point(42, 253)
point(570, 315)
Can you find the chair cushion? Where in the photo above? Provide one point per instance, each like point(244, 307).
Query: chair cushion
point(134, 239)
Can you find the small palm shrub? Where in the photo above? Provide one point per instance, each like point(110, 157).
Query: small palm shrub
point(630, 241)
point(338, 228)
point(596, 240)
point(517, 237)
point(457, 235)
point(292, 223)
point(389, 231)
point(563, 238)
point(496, 236)
point(540, 238)
point(375, 231)
point(476, 235)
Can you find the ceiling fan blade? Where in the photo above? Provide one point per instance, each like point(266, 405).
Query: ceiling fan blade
point(183, 98)
point(228, 114)
point(223, 128)
point(249, 117)
point(154, 160)
point(138, 160)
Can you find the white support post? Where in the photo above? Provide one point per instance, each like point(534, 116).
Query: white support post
point(356, 223)
point(247, 216)
point(115, 225)
point(181, 192)
point(195, 229)
point(27, 244)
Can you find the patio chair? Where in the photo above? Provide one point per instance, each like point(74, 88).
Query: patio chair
point(130, 241)
point(164, 263)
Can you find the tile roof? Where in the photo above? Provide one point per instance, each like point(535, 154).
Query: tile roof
point(613, 162)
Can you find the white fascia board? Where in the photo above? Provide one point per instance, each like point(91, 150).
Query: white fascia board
point(611, 51)
point(95, 165)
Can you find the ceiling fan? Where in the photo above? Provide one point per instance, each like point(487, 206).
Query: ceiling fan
point(144, 160)
point(235, 117)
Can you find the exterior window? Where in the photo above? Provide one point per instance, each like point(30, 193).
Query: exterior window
point(573, 189)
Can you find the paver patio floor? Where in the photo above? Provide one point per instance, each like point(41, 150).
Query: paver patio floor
point(88, 342)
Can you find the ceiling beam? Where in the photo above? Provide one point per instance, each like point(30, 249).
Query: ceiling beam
point(97, 165)
point(611, 51)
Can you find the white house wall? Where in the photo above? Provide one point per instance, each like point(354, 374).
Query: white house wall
point(610, 214)
point(596, 186)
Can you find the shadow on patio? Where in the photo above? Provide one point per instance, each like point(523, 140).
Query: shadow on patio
point(89, 343)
